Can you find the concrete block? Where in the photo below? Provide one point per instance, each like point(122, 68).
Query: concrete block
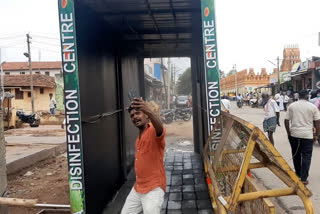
point(175, 196)
point(188, 204)
point(174, 205)
point(188, 196)
point(204, 204)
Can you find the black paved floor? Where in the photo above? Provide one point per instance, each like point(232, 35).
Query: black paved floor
point(187, 191)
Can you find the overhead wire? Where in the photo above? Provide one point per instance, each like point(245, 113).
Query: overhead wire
point(45, 49)
point(11, 37)
point(46, 37)
point(45, 43)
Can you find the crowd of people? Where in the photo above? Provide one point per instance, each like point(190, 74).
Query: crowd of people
point(302, 121)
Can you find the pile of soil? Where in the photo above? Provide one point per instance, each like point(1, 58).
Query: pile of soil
point(47, 182)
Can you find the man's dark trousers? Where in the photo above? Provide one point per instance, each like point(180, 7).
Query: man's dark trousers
point(302, 154)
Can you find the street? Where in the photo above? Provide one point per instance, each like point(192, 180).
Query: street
point(291, 204)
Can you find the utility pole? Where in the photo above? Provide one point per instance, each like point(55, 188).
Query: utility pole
point(30, 70)
point(164, 82)
point(236, 78)
point(3, 165)
point(278, 66)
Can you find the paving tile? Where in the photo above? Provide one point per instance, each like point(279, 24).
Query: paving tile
point(168, 188)
point(174, 205)
point(188, 196)
point(204, 204)
point(168, 163)
point(206, 211)
point(165, 203)
point(175, 188)
point(188, 181)
point(188, 188)
point(174, 212)
point(178, 164)
point(189, 211)
point(163, 212)
point(202, 195)
point(168, 167)
point(200, 180)
point(168, 172)
point(178, 167)
point(197, 166)
point(187, 166)
point(201, 187)
point(185, 176)
point(175, 196)
point(177, 172)
point(188, 204)
point(187, 171)
point(198, 175)
point(176, 180)
point(168, 180)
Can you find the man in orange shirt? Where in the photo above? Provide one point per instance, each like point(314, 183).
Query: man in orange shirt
point(147, 195)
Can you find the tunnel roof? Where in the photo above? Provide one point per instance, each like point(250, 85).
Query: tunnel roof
point(158, 25)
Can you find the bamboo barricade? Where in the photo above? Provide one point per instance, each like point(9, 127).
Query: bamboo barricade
point(244, 147)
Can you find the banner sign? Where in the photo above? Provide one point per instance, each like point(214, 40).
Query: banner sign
point(72, 106)
point(211, 68)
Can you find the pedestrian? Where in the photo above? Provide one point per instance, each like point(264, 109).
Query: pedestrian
point(299, 122)
point(316, 100)
point(281, 101)
point(225, 104)
point(271, 116)
point(147, 194)
point(285, 101)
point(295, 96)
point(52, 104)
point(190, 101)
point(277, 98)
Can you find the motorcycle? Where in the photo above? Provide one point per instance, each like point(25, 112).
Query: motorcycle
point(254, 103)
point(239, 103)
point(32, 119)
point(167, 116)
point(183, 114)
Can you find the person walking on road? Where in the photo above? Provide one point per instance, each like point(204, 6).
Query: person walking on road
point(225, 104)
point(271, 116)
point(285, 101)
point(299, 122)
point(147, 194)
point(52, 104)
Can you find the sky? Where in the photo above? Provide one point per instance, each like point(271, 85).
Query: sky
point(249, 32)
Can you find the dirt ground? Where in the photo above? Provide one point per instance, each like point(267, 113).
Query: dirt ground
point(180, 128)
point(47, 182)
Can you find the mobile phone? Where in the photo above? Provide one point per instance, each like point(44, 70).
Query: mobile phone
point(133, 94)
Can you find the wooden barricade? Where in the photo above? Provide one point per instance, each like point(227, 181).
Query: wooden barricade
point(243, 147)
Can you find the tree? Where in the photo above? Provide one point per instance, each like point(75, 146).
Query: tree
point(233, 71)
point(184, 84)
point(222, 74)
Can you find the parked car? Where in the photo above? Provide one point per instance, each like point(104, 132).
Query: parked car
point(182, 101)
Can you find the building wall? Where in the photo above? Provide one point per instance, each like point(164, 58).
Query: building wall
point(41, 101)
point(244, 81)
point(59, 91)
point(291, 55)
point(52, 72)
point(56, 73)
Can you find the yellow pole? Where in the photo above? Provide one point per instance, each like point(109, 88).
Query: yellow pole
point(265, 194)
